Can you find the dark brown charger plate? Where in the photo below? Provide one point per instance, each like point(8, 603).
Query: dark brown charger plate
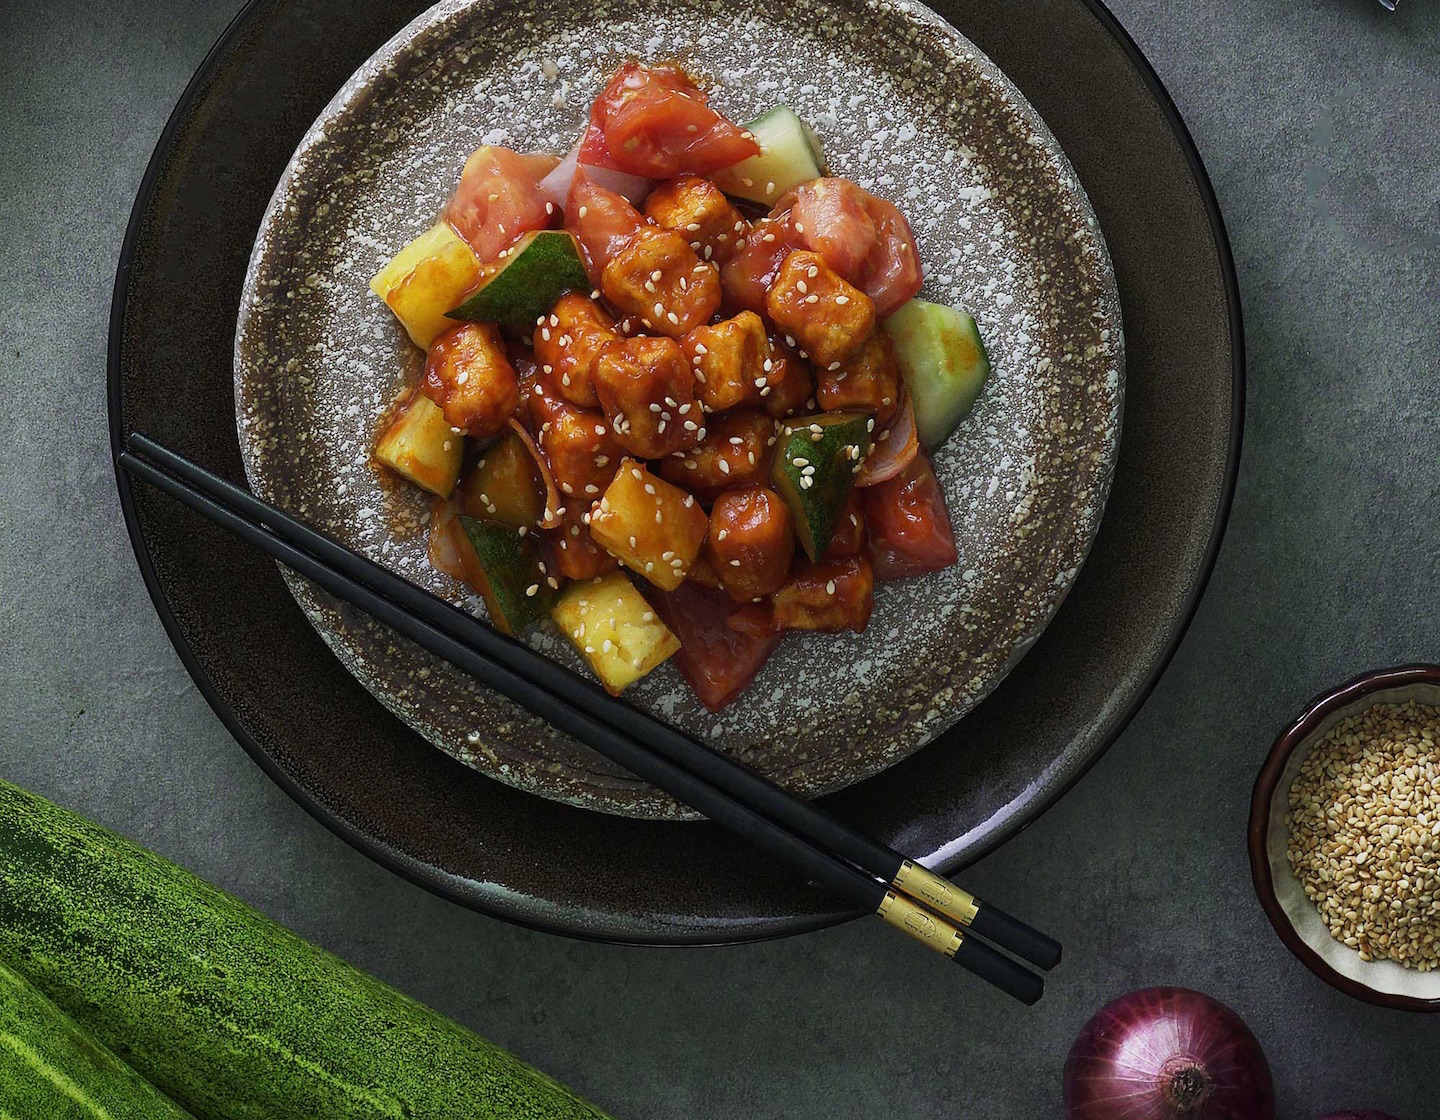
point(318, 733)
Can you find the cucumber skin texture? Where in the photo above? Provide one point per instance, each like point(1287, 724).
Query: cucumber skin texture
point(816, 508)
point(510, 563)
point(534, 277)
point(230, 1014)
point(50, 1070)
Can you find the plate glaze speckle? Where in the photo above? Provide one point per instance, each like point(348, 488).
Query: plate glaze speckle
point(905, 106)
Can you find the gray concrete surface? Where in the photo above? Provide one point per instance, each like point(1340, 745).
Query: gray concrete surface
point(1317, 120)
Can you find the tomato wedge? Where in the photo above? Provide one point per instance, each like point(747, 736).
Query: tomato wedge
point(602, 222)
point(908, 523)
point(891, 273)
point(831, 218)
point(653, 121)
point(863, 238)
point(499, 198)
point(718, 662)
point(747, 276)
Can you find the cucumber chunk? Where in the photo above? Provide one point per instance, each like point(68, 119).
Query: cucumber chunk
point(943, 362)
point(816, 460)
point(425, 278)
point(789, 155)
point(511, 575)
point(420, 445)
point(536, 271)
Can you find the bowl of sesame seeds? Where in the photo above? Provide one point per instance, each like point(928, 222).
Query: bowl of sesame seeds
point(1345, 837)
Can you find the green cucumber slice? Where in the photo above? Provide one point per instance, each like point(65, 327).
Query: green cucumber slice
point(536, 271)
point(816, 460)
point(789, 155)
point(943, 362)
point(513, 577)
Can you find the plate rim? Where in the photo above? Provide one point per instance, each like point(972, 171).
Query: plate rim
point(438, 882)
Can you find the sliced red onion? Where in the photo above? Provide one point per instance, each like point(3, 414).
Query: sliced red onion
point(556, 185)
point(553, 502)
point(893, 449)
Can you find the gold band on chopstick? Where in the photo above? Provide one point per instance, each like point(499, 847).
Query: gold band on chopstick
point(939, 894)
point(907, 914)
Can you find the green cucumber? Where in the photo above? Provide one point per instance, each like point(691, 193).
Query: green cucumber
point(51, 1070)
point(230, 1015)
point(943, 362)
point(816, 460)
point(514, 579)
point(505, 485)
point(535, 272)
point(789, 155)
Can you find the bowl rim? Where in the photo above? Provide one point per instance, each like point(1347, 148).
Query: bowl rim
point(981, 841)
point(1303, 727)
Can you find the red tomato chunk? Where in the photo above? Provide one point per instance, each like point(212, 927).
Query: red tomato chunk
point(908, 523)
point(653, 121)
point(499, 198)
point(602, 221)
point(718, 661)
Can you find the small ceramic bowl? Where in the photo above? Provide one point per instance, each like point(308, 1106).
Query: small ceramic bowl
point(1293, 915)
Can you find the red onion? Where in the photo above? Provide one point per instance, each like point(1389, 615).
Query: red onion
point(556, 185)
point(1167, 1054)
point(1359, 1114)
point(894, 448)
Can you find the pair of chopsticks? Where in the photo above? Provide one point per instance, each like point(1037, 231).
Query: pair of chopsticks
point(856, 868)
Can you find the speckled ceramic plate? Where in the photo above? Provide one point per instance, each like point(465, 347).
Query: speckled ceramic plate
point(904, 105)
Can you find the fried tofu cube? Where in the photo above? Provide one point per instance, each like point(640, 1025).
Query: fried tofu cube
point(568, 343)
point(751, 542)
point(469, 375)
point(867, 381)
point(648, 393)
point(828, 318)
point(574, 550)
point(658, 278)
point(612, 626)
point(793, 383)
point(581, 451)
point(650, 526)
point(427, 278)
point(699, 210)
point(736, 451)
point(732, 362)
point(831, 596)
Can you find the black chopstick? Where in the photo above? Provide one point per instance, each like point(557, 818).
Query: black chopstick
point(579, 708)
point(801, 816)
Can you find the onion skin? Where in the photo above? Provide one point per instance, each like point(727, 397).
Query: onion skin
point(1167, 1054)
